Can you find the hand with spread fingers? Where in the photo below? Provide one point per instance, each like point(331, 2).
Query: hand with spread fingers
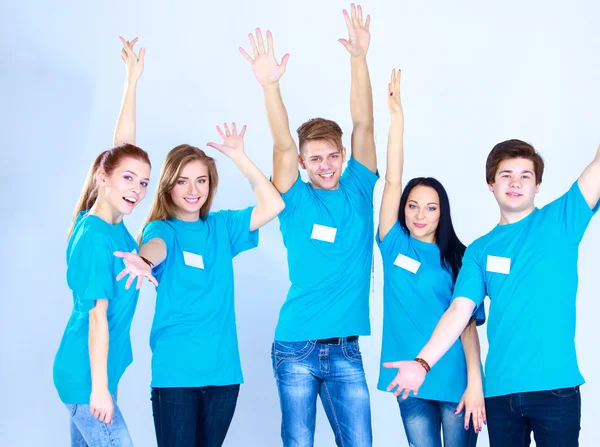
point(393, 98)
point(136, 268)
point(473, 403)
point(264, 64)
point(410, 377)
point(134, 63)
point(359, 36)
point(233, 143)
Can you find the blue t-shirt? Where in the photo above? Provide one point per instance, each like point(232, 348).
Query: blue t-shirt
point(329, 239)
point(417, 291)
point(194, 337)
point(91, 275)
point(529, 271)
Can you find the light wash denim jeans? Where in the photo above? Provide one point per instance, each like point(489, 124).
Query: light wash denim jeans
point(424, 419)
point(87, 431)
point(307, 369)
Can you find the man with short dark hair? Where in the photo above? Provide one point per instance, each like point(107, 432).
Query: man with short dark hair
point(527, 265)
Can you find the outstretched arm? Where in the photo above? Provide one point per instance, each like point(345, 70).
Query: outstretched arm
point(134, 65)
point(589, 181)
point(270, 203)
point(411, 374)
point(268, 72)
point(392, 192)
point(361, 95)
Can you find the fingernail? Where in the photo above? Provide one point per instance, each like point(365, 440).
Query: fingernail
point(467, 427)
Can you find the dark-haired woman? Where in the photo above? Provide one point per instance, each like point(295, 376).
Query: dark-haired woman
point(421, 258)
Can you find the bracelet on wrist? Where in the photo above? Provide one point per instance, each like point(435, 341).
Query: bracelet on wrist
point(424, 364)
point(147, 262)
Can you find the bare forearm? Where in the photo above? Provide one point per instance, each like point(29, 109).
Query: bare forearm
point(155, 251)
point(395, 152)
point(361, 95)
point(278, 118)
point(448, 329)
point(126, 122)
point(98, 348)
point(471, 347)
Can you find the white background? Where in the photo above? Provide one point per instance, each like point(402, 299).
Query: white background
point(474, 73)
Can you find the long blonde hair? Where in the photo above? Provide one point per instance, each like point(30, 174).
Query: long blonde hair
point(163, 206)
point(106, 161)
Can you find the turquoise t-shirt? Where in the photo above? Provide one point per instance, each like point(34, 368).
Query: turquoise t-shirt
point(194, 337)
point(417, 291)
point(329, 239)
point(91, 275)
point(529, 271)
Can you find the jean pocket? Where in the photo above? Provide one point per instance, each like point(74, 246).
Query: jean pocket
point(566, 392)
point(294, 350)
point(352, 351)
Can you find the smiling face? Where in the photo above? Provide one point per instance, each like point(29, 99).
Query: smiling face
point(515, 185)
point(191, 190)
point(126, 186)
point(323, 163)
point(422, 213)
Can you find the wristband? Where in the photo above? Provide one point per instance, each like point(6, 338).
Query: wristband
point(424, 364)
point(147, 262)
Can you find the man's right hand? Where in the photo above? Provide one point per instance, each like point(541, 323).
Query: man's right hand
point(264, 65)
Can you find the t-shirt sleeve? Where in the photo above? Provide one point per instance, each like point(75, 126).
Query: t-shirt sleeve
point(479, 315)
point(238, 228)
point(572, 212)
point(358, 177)
point(90, 273)
point(393, 242)
point(471, 280)
point(297, 194)
point(158, 229)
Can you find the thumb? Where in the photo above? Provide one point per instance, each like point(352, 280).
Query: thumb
point(284, 60)
point(391, 365)
point(215, 146)
point(345, 43)
point(142, 55)
point(460, 407)
point(120, 254)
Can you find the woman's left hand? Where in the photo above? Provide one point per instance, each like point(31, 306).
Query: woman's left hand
point(233, 143)
point(473, 403)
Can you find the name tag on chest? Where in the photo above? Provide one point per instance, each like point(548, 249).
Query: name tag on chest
point(193, 260)
point(407, 263)
point(323, 233)
point(498, 264)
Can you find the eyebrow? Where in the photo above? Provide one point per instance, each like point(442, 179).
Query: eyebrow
point(511, 171)
point(187, 178)
point(430, 203)
point(131, 172)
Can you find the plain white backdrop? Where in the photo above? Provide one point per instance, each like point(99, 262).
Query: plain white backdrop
point(474, 73)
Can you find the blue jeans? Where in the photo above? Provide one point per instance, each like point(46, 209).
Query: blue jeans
point(87, 431)
point(553, 416)
point(424, 419)
point(193, 417)
point(335, 373)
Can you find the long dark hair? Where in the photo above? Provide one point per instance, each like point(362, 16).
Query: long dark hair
point(451, 248)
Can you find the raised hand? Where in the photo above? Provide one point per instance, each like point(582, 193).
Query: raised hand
point(134, 63)
point(393, 98)
point(136, 269)
point(473, 403)
point(264, 65)
point(410, 377)
point(359, 36)
point(233, 143)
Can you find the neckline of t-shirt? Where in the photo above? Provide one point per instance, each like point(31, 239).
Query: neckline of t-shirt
point(428, 245)
point(510, 226)
point(86, 215)
point(196, 225)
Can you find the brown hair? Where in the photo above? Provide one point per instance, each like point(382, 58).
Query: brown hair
point(513, 149)
point(107, 161)
point(320, 129)
point(162, 205)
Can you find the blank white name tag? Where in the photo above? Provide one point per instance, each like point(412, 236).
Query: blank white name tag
point(193, 260)
point(323, 233)
point(498, 264)
point(407, 263)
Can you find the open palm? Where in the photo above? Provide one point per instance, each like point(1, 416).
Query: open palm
point(359, 36)
point(264, 65)
point(233, 142)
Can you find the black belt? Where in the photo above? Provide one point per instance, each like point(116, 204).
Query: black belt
point(337, 340)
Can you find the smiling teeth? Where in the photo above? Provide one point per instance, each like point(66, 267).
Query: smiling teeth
point(130, 199)
point(327, 175)
point(192, 200)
